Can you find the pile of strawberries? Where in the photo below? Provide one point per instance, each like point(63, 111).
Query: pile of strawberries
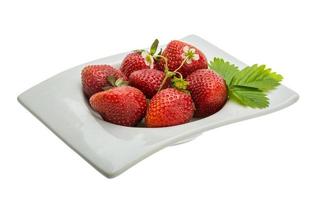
point(166, 88)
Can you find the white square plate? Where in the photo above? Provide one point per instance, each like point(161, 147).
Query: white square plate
point(60, 104)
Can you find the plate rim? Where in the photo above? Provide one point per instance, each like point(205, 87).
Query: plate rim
point(158, 147)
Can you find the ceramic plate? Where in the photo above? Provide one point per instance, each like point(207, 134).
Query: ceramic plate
point(59, 103)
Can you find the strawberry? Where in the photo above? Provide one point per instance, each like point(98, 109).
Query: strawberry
point(94, 77)
point(208, 91)
point(123, 105)
point(147, 80)
point(139, 59)
point(169, 107)
point(183, 56)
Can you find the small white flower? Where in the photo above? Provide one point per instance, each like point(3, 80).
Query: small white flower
point(148, 59)
point(190, 54)
point(196, 56)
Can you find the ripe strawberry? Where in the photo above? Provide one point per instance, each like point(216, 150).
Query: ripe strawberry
point(176, 52)
point(139, 59)
point(147, 80)
point(208, 91)
point(169, 107)
point(94, 77)
point(124, 105)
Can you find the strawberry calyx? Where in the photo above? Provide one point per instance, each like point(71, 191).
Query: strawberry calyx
point(180, 84)
point(115, 82)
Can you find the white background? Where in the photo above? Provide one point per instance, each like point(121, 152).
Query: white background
point(271, 157)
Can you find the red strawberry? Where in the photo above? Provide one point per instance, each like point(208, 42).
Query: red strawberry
point(169, 107)
point(176, 52)
point(208, 91)
point(140, 59)
point(147, 80)
point(133, 62)
point(124, 105)
point(94, 77)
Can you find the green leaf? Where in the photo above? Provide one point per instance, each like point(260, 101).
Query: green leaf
point(250, 97)
point(120, 82)
point(154, 47)
point(257, 76)
point(115, 82)
point(179, 83)
point(224, 69)
point(111, 80)
point(160, 52)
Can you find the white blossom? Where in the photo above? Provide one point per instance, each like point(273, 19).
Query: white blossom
point(190, 54)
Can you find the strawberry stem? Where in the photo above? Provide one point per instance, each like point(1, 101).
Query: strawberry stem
point(181, 65)
point(163, 82)
point(165, 62)
point(180, 74)
point(169, 74)
point(166, 71)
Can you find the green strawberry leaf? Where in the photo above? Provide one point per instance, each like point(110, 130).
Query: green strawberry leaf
point(224, 69)
point(111, 80)
point(250, 97)
point(160, 52)
point(120, 82)
point(257, 76)
point(154, 47)
point(114, 82)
